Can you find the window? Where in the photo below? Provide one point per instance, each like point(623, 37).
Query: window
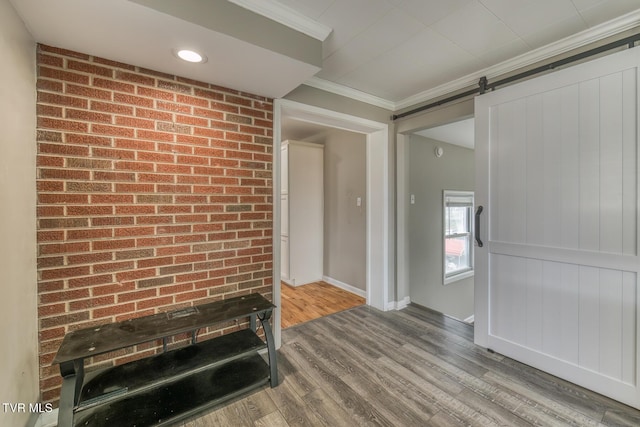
point(458, 246)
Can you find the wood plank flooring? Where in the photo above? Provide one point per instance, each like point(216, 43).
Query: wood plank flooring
point(307, 302)
point(412, 367)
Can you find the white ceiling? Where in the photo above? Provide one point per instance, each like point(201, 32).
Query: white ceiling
point(458, 133)
point(131, 33)
point(394, 49)
point(393, 53)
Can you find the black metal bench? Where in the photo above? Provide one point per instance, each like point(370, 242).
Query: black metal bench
point(173, 385)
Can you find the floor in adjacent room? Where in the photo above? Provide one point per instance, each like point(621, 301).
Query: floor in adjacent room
point(307, 302)
point(412, 367)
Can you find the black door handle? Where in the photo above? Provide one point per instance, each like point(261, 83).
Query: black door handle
point(477, 227)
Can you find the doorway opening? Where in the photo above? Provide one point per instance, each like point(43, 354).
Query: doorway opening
point(436, 158)
point(375, 201)
point(323, 220)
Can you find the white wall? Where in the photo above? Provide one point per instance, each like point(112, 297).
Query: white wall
point(428, 176)
point(18, 305)
point(345, 223)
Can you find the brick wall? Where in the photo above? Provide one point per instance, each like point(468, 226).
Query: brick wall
point(154, 192)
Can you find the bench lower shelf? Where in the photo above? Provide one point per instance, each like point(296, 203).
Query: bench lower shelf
point(181, 399)
point(134, 377)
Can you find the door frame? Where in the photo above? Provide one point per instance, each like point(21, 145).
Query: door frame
point(447, 114)
point(378, 201)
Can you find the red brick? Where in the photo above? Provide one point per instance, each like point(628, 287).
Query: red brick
point(132, 100)
point(89, 92)
point(104, 221)
point(111, 198)
point(62, 248)
point(154, 114)
point(156, 94)
point(155, 157)
point(113, 176)
point(113, 289)
point(132, 296)
point(190, 296)
point(134, 188)
point(86, 304)
point(113, 85)
point(134, 144)
point(89, 68)
point(220, 106)
point(50, 211)
point(155, 262)
point(135, 166)
point(171, 106)
point(135, 210)
point(48, 110)
point(112, 310)
point(198, 102)
point(155, 302)
point(68, 125)
point(65, 319)
point(112, 130)
point(89, 234)
point(90, 258)
point(134, 231)
point(108, 107)
point(228, 126)
point(135, 78)
point(111, 267)
point(134, 122)
point(87, 140)
point(154, 136)
point(89, 210)
point(49, 186)
point(54, 297)
point(210, 94)
point(135, 274)
point(57, 74)
point(94, 279)
point(175, 87)
point(111, 244)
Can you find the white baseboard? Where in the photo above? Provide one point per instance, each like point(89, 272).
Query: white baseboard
point(397, 305)
point(469, 319)
point(346, 287)
point(403, 303)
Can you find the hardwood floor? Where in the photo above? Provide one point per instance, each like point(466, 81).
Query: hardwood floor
point(307, 302)
point(403, 368)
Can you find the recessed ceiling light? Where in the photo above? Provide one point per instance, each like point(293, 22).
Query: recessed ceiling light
point(190, 56)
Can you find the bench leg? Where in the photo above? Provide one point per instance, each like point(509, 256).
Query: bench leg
point(73, 369)
point(271, 347)
point(65, 410)
point(252, 322)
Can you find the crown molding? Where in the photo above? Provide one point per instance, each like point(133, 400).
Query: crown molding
point(607, 29)
point(286, 16)
point(348, 92)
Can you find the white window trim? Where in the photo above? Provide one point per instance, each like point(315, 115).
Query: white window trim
point(462, 274)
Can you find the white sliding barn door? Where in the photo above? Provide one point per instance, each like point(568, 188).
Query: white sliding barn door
point(557, 176)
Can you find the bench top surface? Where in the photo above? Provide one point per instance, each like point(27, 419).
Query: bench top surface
point(101, 339)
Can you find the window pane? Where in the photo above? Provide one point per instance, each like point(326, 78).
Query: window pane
point(457, 254)
point(457, 220)
point(458, 230)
